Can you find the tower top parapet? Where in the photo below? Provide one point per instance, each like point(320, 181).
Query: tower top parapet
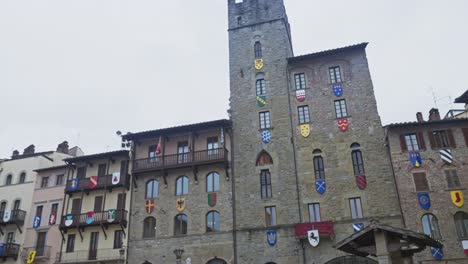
point(250, 12)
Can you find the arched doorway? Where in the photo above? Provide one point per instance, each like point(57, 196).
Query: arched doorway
point(216, 261)
point(352, 260)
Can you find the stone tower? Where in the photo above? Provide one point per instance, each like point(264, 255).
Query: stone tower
point(263, 161)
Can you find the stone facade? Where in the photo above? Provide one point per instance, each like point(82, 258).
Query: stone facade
point(438, 187)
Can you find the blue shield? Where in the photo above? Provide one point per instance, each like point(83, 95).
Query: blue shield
point(424, 200)
point(338, 90)
point(74, 184)
point(437, 253)
point(266, 136)
point(320, 186)
point(415, 158)
point(272, 237)
point(1, 249)
point(37, 222)
point(358, 227)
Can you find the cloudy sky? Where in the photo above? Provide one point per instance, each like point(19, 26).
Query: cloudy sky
point(81, 70)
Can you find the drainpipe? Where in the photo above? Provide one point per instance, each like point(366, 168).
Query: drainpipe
point(233, 186)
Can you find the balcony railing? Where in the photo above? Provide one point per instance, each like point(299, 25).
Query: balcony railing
point(324, 228)
point(102, 183)
point(9, 250)
point(41, 252)
point(99, 218)
point(16, 217)
point(180, 160)
point(100, 255)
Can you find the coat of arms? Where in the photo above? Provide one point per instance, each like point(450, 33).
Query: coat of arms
point(305, 130)
point(212, 199)
point(343, 124)
point(74, 184)
point(89, 218)
point(361, 182)
point(31, 256)
point(149, 206)
point(272, 237)
point(259, 64)
point(68, 220)
point(358, 227)
point(266, 136)
point(424, 200)
point(320, 186)
point(300, 95)
point(115, 178)
point(111, 215)
point(261, 100)
point(437, 253)
point(415, 158)
point(37, 222)
point(93, 181)
point(446, 155)
point(457, 198)
point(52, 219)
point(314, 238)
point(338, 90)
point(180, 204)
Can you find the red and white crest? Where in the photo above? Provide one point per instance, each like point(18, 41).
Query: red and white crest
point(93, 181)
point(149, 206)
point(115, 178)
point(343, 124)
point(300, 95)
point(361, 181)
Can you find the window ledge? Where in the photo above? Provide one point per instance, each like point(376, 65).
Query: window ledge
point(265, 129)
point(338, 118)
point(455, 189)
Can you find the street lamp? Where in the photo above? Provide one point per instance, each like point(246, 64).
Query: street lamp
point(178, 252)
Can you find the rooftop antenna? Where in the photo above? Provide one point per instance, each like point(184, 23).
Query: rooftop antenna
point(436, 99)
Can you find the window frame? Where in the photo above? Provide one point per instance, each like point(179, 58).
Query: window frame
point(264, 120)
point(70, 243)
point(300, 81)
point(303, 114)
point(153, 182)
point(22, 178)
point(215, 178)
point(319, 167)
point(461, 225)
point(441, 139)
point(212, 145)
point(270, 216)
point(313, 215)
point(356, 204)
point(260, 86)
point(357, 160)
point(9, 179)
point(59, 179)
point(412, 142)
point(182, 179)
point(335, 75)
point(149, 227)
point(179, 225)
point(213, 226)
point(341, 108)
point(418, 188)
point(118, 239)
point(453, 181)
point(258, 50)
point(45, 181)
point(433, 223)
point(265, 184)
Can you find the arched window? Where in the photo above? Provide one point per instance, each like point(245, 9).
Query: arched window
point(431, 226)
point(182, 185)
point(239, 21)
point(22, 178)
point(149, 227)
point(213, 223)
point(180, 224)
point(358, 162)
point(152, 189)
point(216, 261)
point(16, 205)
point(319, 168)
point(212, 182)
point(2, 208)
point(261, 86)
point(461, 224)
point(8, 179)
point(351, 260)
point(264, 159)
point(258, 50)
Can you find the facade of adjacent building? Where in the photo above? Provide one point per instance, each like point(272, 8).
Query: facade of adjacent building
point(94, 216)
point(429, 160)
point(182, 196)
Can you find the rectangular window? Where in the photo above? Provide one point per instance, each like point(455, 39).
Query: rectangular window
point(420, 182)
point(299, 79)
point(102, 170)
point(356, 208)
point(118, 239)
point(319, 168)
point(54, 208)
point(441, 139)
point(59, 179)
point(340, 108)
point(452, 179)
point(303, 113)
point(261, 86)
point(182, 152)
point(70, 243)
point(412, 142)
point(335, 74)
point(39, 210)
point(81, 172)
point(10, 237)
point(152, 151)
point(212, 145)
point(44, 182)
point(270, 215)
point(265, 183)
point(264, 120)
point(314, 212)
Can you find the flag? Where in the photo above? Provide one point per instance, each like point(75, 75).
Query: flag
point(158, 148)
point(465, 247)
point(222, 136)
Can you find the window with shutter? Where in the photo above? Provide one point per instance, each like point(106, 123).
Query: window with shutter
point(465, 135)
point(452, 179)
point(420, 182)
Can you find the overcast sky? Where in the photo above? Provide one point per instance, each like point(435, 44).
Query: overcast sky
point(81, 70)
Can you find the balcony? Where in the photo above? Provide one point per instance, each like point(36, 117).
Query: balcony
point(42, 253)
point(103, 182)
point(16, 217)
point(324, 228)
point(202, 157)
point(101, 218)
point(9, 250)
point(90, 256)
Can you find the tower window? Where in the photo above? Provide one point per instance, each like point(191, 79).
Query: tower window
point(299, 79)
point(452, 178)
point(303, 113)
point(261, 86)
point(358, 161)
point(213, 223)
point(319, 168)
point(340, 108)
point(431, 226)
point(265, 183)
point(412, 142)
point(356, 208)
point(270, 215)
point(420, 182)
point(264, 120)
point(314, 212)
point(182, 184)
point(258, 50)
point(239, 21)
point(335, 74)
point(180, 224)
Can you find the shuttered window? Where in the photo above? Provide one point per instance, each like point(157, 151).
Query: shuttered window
point(452, 179)
point(441, 139)
point(420, 182)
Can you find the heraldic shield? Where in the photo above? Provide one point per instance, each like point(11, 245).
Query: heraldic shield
point(115, 178)
point(437, 253)
point(415, 158)
point(300, 95)
point(266, 136)
point(261, 100)
point(338, 90)
point(305, 130)
point(320, 186)
point(424, 200)
point(272, 237)
point(149, 206)
point(180, 204)
point(259, 64)
point(361, 181)
point(74, 184)
point(314, 238)
point(68, 220)
point(93, 181)
point(343, 124)
point(457, 198)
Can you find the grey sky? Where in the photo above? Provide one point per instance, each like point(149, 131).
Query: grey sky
point(80, 70)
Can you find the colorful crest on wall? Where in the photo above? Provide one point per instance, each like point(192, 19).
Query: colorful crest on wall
point(320, 186)
point(343, 124)
point(261, 100)
point(424, 200)
point(415, 158)
point(465, 247)
point(314, 237)
point(68, 220)
point(446, 155)
point(149, 205)
point(52, 218)
point(358, 227)
point(437, 253)
point(111, 214)
point(74, 184)
point(266, 136)
point(305, 130)
point(457, 198)
point(180, 204)
point(300, 95)
point(37, 221)
point(338, 90)
point(6, 215)
point(212, 199)
point(361, 182)
point(272, 237)
point(31, 256)
point(115, 178)
point(259, 64)
point(93, 181)
point(89, 218)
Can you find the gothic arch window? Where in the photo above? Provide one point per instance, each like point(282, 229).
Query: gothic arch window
point(319, 167)
point(258, 50)
point(9, 178)
point(358, 162)
point(3, 206)
point(213, 222)
point(149, 227)
point(152, 189)
point(182, 184)
point(212, 182)
point(216, 261)
point(431, 226)
point(351, 260)
point(461, 224)
point(180, 224)
point(22, 178)
point(260, 85)
point(263, 159)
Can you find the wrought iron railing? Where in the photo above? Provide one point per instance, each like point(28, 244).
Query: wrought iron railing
point(106, 217)
point(9, 250)
point(102, 182)
point(16, 217)
point(96, 255)
point(41, 252)
point(180, 160)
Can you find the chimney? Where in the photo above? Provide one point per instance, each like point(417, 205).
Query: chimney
point(63, 147)
point(434, 114)
point(29, 150)
point(15, 153)
point(419, 117)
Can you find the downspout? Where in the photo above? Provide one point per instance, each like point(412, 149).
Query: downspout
point(63, 208)
point(233, 186)
point(293, 143)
